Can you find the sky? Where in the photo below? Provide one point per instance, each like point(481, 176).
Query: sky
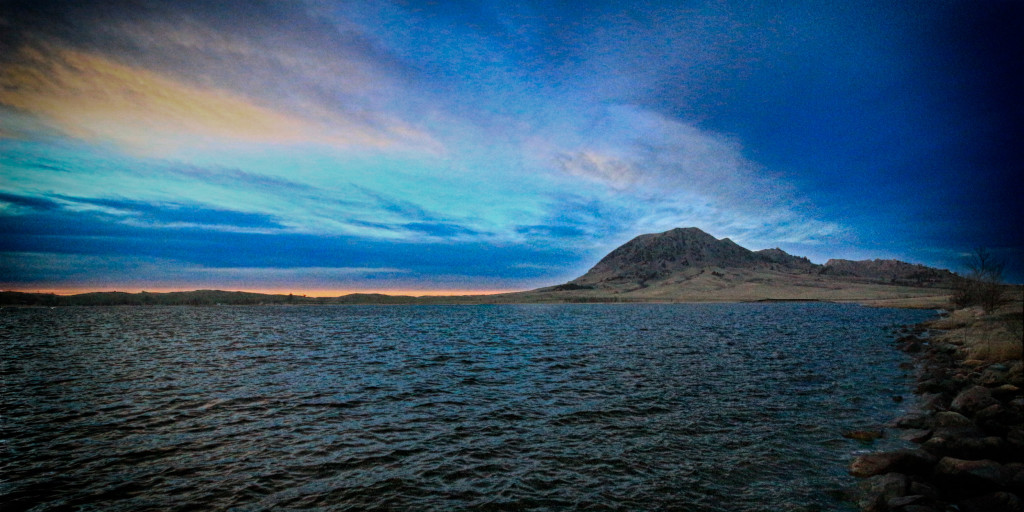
point(327, 147)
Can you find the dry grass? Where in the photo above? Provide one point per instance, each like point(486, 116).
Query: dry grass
point(990, 338)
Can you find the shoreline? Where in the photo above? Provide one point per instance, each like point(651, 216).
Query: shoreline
point(236, 298)
point(968, 424)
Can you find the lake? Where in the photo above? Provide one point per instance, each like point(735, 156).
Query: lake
point(698, 407)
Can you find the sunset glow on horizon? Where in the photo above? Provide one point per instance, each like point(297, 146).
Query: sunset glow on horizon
point(272, 291)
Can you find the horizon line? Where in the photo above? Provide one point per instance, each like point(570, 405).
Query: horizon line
point(317, 293)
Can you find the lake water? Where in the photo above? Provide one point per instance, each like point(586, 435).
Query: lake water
point(699, 407)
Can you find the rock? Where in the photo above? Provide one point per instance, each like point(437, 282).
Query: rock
point(1005, 392)
point(1015, 439)
point(866, 436)
point(976, 447)
point(951, 419)
point(994, 419)
point(903, 501)
point(878, 490)
point(993, 376)
point(995, 502)
point(936, 385)
point(910, 461)
point(915, 421)
point(1015, 476)
point(916, 435)
point(872, 464)
point(911, 347)
point(935, 401)
point(974, 474)
point(936, 445)
point(923, 489)
point(972, 400)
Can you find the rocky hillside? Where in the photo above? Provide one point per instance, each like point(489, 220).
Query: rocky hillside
point(687, 251)
point(689, 264)
point(893, 271)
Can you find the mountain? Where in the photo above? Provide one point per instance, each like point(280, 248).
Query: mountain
point(689, 264)
point(686, 251)
point(656, 256)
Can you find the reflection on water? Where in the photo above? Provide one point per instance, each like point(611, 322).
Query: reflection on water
point(542, 407)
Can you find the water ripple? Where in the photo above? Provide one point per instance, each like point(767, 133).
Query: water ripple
point(587, 407)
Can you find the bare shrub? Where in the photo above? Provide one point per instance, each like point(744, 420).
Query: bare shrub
point(983, 284)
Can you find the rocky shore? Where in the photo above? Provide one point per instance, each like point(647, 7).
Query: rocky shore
point(969, 429)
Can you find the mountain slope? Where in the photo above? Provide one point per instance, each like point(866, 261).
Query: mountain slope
point(689, 264)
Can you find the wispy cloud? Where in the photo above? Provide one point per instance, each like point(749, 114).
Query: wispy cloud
point(92, 97)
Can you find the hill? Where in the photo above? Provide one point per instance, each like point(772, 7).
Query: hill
point(687, 264)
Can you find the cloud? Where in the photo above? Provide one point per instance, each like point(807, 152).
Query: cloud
point(92, 97)
point(445, 230)
point(616, 173)
point(661, 173)
point(29, 202)
point(176, 214)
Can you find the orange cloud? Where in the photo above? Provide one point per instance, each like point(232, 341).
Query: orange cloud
point(92, 97)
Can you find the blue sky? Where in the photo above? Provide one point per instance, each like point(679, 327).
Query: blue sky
point(322, 146)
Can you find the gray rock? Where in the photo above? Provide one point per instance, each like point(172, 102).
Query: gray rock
point(915, 421)
point(951, 419)
point(866, 436)
point(915, 435)
point(1015, 436)
point(974, 448)
point(987, 473)
point(994, 502)
point(902, 501)
point(935, 401)
point(994, 375)
point(909, 461)
point(1005, 392)
point(878, 490)
point(972, 399)
point(923, 489)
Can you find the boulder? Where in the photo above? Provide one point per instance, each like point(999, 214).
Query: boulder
point(994, 502)
point(914, 421)
point(973, 399)
point(903, 501)
point(909, 461)
point(996, 419)
point(923, 489)
point(878, 490)
point(915, 435)
point(865, 436)
point(1006, 392)
point(951, 419)
point(994, 376)
point(935, 401)
point(989, 447)
point(972, 474)
point(937, 385)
